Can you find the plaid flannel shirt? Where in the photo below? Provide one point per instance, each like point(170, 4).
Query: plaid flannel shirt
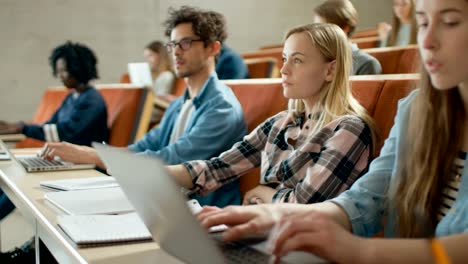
point(306, 168)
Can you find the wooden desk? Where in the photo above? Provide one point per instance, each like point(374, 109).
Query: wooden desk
point(12, 137)
point(23, 190)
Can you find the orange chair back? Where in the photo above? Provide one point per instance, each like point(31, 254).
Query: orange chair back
point(262, 67)
point(179, 87)
point(364, 33)
point(367, 42)
point(396, 60)
point(276, 53)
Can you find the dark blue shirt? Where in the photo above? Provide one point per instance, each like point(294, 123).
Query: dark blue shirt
point(231, 65)
point(80, 120)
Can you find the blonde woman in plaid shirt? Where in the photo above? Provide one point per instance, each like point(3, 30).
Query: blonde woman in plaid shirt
point(314, 150)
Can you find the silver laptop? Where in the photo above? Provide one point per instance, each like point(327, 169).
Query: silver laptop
point(140, 74)
point(33, 163)
point(157, 199)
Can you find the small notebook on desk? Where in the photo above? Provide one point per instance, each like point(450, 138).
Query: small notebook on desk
point(93, 201)
point(81, 183)
point(86, 230)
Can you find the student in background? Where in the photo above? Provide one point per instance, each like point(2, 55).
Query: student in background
point(343, 14)
point(160, 62)
point(419, 184)
point(82, 117)
point(229, 65)
point(314, 150)
point(200, 124)
point(403, 30)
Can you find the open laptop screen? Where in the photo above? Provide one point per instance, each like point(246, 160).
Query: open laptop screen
point(140, 74)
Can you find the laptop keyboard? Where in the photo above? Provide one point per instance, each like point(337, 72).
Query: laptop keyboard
point(241, 253)
point(40, 164)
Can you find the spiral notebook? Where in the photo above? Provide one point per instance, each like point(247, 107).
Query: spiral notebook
point(86, 230)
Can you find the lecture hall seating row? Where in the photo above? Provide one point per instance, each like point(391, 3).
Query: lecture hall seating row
point(130, 106)
point(394, 60)
point(365, 38)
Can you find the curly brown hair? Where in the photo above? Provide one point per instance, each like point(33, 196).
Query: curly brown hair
point(210, 26)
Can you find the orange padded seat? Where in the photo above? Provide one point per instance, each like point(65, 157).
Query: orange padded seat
point(260, 99)
point(128, 107)
point(179, 87)
point(364, 33)
point(367, 42)
point(125, 78)
point(262, 67)
point(276, 53)
point(395, 60)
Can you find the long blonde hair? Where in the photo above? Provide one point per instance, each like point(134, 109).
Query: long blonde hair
point(396, 24)
point(336, 98)
point(431, 147)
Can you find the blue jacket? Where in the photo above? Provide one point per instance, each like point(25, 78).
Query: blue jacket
point(80, 120)
point(366, 201)
point(231, 65)
point(214, 126)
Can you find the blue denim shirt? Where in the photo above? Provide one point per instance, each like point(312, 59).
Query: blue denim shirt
point(214, 126)
point(366, 201)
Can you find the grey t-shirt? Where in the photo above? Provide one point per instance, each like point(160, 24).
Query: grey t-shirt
point(364, 63)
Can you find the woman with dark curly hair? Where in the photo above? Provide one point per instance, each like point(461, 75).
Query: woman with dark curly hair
point(82, 117)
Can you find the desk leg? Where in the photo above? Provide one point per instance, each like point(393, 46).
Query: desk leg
point(36, 243)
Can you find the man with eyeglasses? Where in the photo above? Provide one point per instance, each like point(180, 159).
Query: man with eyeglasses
point(202, 123)
point(207, 119)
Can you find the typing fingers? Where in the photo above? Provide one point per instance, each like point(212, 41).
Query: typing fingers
point(224, 216)
point(46, 152)
point(255, 228)
point(289, 227)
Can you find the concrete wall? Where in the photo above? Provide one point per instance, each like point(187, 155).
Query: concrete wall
point(118, 30)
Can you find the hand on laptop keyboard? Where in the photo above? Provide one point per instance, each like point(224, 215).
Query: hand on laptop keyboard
point(195, 208)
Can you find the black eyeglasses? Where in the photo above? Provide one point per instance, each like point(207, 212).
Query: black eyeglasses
point(184, 44)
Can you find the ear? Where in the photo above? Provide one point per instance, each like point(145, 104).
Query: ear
point(330, 71)
point(215, 48)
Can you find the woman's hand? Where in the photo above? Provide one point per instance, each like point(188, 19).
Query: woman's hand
point(258, 195)
point(316, 233)
point(243, 221)
point(383, 29)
